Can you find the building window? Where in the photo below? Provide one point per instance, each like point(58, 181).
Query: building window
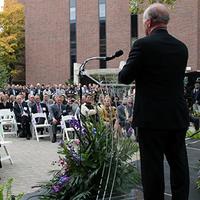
point(134, 28)
point(73, 56)
point(102, 31)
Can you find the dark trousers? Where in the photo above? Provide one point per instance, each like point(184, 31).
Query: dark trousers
point(40, 120)
point(25, 125)
point(154, 144)
point(55, 128)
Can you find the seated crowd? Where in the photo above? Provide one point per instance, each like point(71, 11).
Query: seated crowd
point(60, 100)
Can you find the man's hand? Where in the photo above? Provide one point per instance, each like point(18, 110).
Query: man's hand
point(55, 121)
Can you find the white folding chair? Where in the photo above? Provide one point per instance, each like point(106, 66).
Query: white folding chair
point(45, 125)
point(8, 120)
point(3, 144)
point(66, 131)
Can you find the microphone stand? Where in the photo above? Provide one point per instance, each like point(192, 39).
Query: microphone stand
point(81, 73)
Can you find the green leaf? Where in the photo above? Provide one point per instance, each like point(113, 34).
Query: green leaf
point(138, 6)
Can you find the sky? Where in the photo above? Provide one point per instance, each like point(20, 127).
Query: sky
point(1, 2)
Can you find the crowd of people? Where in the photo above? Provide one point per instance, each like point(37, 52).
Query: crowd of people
point(60, 100)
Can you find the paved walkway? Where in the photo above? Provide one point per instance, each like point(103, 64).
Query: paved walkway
point(32, 162)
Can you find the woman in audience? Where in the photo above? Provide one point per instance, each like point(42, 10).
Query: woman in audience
point(4, 103)
point(108, 112)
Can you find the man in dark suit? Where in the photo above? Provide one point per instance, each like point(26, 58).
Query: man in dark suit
point(56, 111)
point(39, 91)
point(13, 90)
point(22, 115)
point(39, 107)
point(122, 113)
point(157, 63)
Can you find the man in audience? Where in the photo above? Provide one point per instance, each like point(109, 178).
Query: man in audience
point(31, 100)
point(88, 109)
point(31, 90)
point(47, 91)
point(122, 114)
point(56, 112)
point(22, 115)
point(39, 107)
point(39, 90)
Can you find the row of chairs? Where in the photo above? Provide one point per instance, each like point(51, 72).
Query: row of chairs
point(9, 124)
point(46, 126)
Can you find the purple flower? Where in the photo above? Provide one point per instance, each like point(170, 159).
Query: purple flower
point(74, 123)
point(130, 132)
point(75, 156)
point(56, 188)
point(63, 179)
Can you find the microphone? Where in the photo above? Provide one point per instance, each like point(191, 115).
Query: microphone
point(117, 54)
point(107, 58)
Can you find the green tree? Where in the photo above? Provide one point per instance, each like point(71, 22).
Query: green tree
point(138, 6)
point(12, 40)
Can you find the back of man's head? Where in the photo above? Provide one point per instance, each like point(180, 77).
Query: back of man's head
point(158, 13)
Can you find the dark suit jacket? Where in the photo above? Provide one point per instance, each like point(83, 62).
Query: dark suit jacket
point(17, 110)
point(39, 92)
point(196, 96)
point(55, 113)
point(43, 107)
point(157, 63)
point(13, 91)
point(121, 114)
point(7, 106)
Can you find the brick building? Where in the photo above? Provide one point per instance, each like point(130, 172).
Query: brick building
point(61, 32)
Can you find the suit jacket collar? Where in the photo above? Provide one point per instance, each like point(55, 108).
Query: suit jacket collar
point(158, 30)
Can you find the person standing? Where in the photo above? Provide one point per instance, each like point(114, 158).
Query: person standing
point(157, 63)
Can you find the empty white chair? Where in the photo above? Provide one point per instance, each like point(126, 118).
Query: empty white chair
point(45, 125)
point(3, 144)
point(66, 130)
point(7, 119)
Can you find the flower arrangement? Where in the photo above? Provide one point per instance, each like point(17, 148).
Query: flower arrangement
point(96, 165)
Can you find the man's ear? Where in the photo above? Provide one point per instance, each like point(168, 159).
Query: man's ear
point(150, 23)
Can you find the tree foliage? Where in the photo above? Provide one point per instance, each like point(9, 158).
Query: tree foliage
point(12, 38)
point(138, 6)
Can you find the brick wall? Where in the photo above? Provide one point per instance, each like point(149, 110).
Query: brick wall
point(47, 41)
point(48, 35)
point(87, 31)
point(118, 29)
